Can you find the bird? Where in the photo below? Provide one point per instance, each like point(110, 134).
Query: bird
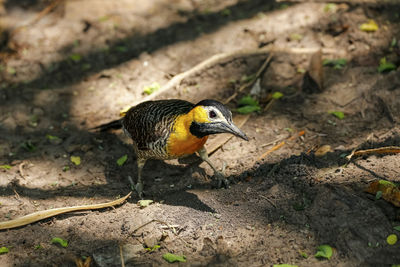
point(174, 128)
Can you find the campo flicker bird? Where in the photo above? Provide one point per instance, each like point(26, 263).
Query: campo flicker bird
point(169, 129)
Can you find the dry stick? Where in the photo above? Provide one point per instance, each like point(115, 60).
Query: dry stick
point(40, 215)
point(380, 150)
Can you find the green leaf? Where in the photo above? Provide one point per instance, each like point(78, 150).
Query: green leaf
point(76, 160)
point(296, 37)
point(4, 250)
point(58, 240)
point(153, 248)
point(324, 251)
point(226, 12)
point(65, 168)
point(397, 228)
point(37, 247)
point(303, 254)
point(28, 146)
point(248, 101)
point(145, 202)
point(337, 64)
point(337, 114)
point(369, 26)
point(6, 167)
point(248, 109)
point(385, 66)
point(75, 57)
point(394, 42)
point(122, 160)
point(52, 137)
point(277, 95)
point(11, 70)
point(391, 239)
point(284, 265)
point(330, 7)
point(173, 258)
point(246, 78)
point(378, 195)
point(151, 88)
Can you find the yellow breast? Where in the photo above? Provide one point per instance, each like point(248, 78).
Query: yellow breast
point(181, 142)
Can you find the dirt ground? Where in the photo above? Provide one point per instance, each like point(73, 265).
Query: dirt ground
point(79, 64)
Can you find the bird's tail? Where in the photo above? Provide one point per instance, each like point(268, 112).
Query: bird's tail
point(117, 124)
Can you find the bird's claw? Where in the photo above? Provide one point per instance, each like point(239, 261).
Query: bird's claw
point(222, 181)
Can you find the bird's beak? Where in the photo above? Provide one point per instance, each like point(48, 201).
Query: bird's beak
point(233, 129)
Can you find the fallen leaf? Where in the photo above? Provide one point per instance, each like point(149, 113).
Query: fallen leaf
point(145, 202)
point(153, 248)
point(155, 86)
point(296, 37)
point(248, 78)
point(385, 66)
point(248, 109)
point(75, 57)
point(28, 146)
point(323, 150)
point(173, 258)
point(330, 7)
point(391, 239)
point(284, 265)
point(4, 250)
point(303, 254)
point(277, 95)
point(58, 240)
point(11, 70)
point(122, 160)
point(247, 101)
point(313, 79)
point(337, 114)
point(337, 64)
point(6, 167)
point(369, 26)
point(390, 192)
point(76, 160)
point(397, 228)
point(123, 111)
point(324, 251)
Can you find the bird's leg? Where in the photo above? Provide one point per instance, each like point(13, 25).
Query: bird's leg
point(139, 184)
point(220, 177)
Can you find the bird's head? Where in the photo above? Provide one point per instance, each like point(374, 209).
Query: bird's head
point(212, 117)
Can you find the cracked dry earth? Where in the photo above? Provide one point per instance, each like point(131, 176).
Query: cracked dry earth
point(84, 61)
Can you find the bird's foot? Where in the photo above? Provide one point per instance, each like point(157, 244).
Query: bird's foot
point(222, 181)
point(139, 189)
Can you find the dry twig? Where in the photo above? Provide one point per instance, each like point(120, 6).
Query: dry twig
point(380, 150)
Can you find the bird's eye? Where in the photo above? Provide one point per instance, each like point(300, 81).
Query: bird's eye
point(212, 114)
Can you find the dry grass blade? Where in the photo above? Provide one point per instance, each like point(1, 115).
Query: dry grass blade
point(40, 215)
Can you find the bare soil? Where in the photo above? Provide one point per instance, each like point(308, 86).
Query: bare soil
point(82, 62)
